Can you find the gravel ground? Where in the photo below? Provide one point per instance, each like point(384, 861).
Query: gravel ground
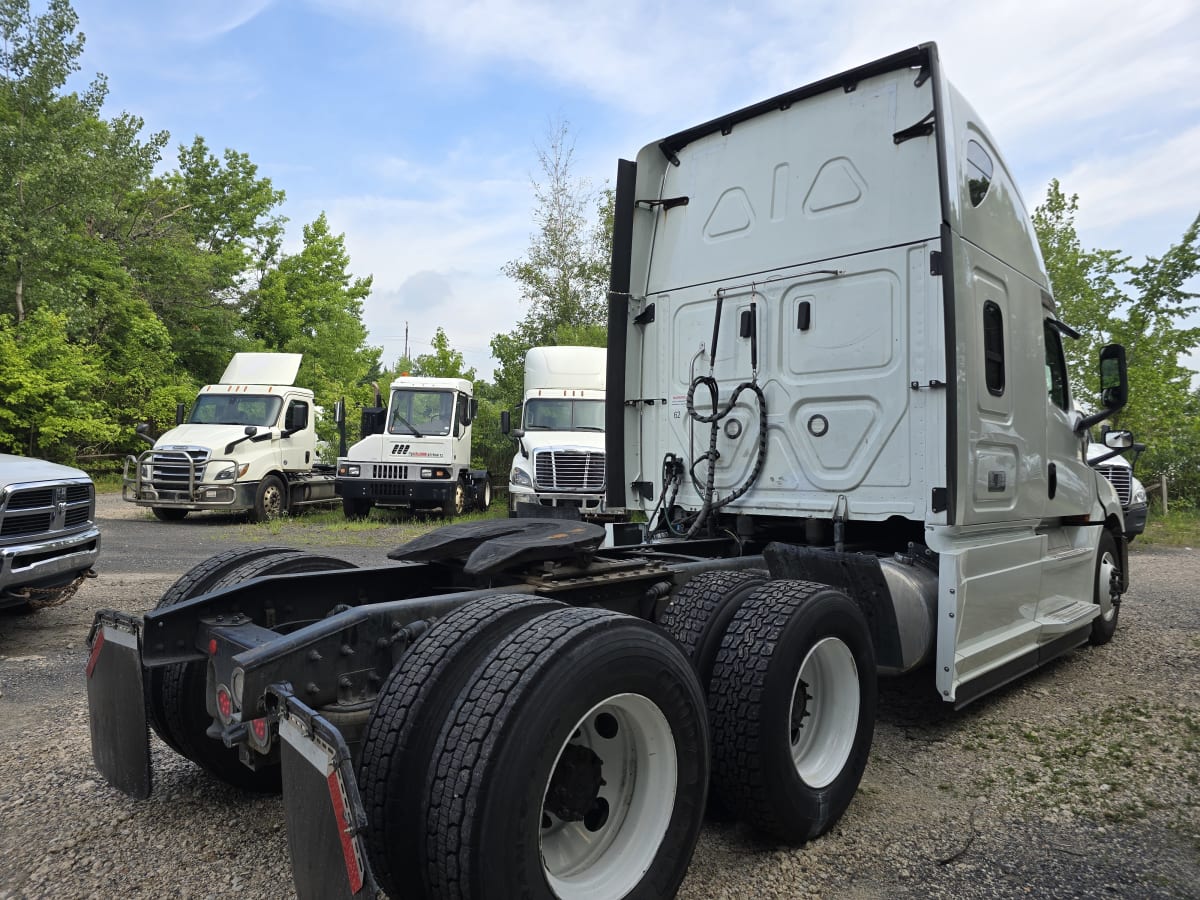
point(1082, 780)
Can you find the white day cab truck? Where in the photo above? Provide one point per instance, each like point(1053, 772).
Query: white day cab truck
point(558, 468)
point(249, 445)
point(837, 392)
point(416, 454)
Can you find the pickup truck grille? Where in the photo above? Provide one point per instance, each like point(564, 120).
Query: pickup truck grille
point(170, 468)
point(568, 470)
point(1122, 479)
point(44, 509)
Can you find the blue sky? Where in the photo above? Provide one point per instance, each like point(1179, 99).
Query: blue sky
point(413, 124)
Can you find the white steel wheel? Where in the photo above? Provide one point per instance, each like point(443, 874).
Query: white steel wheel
point(1107, 568)
point(623, 747)
point(824, 712)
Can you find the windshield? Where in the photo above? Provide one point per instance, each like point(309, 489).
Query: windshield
point(419, 413)
point(236, 409)
point(546, 414)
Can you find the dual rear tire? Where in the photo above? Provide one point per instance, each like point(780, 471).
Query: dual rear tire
point(789, 670)
point(544, 751)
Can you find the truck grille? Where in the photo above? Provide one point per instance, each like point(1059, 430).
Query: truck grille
point(389, 470)
point(568, 470)
point(1122, 479)
point(171, 468)
point(45, 509)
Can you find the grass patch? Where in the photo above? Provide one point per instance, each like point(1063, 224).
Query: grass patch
point(1178, 528)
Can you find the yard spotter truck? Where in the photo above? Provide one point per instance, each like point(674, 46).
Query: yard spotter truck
point(836, 390)
point(558, 469)
point(416, 453)
point(249, 445)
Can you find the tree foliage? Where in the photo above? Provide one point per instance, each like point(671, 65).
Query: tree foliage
point(121, 289)
point(1144, 306)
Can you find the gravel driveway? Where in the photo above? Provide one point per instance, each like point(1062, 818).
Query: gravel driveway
point(1082, 780)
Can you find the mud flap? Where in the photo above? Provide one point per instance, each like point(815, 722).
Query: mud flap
point(325, 816)
point(116, 707)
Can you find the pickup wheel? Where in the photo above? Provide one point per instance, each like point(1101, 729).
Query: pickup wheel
point(184, 686)
point(355, 508)
point(792, 707)
point(270, 500)
point(197, 580)
point(573, 766)
point(1107, 593)
point(167, 514)
point(699, 612)
point(407, 719)
point(456, 503)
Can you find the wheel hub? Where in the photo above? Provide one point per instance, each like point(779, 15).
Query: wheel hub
point(575, 784)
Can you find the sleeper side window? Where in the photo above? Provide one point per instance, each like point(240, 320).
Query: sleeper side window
point(979, 172)
point(993, 348)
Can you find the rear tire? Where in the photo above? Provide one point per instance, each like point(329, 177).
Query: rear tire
point(167, 514)
point(483, 494)
point(573, 766)
point(408, 716)
point(699, 612)
point(792, 707)
point(1108, 598)
point(355, 508)
point(184, 686)
point(197, 580)
point(456, 503)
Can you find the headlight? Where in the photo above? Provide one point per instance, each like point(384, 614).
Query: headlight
point(347, 470)
point(1139, 494)
point(430, 472)
point(520, 477)
point(147, 472)
point(231, 472)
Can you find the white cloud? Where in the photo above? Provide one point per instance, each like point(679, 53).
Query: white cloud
point(204, 20)
point(1163, 177)
point(435, 245)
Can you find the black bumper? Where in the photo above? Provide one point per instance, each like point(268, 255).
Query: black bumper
point(398, 493)
point(1135, 521)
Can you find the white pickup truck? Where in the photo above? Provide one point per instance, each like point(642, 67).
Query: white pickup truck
point(48, 534)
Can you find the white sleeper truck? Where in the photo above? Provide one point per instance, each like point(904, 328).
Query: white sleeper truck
point(559, 464)
point(837, 393)
point(420, 458)
point(249, 445)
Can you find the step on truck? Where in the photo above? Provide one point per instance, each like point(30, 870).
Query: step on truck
point(416, 453)
point(558, 469)
point(249, 446)
point(837, 393)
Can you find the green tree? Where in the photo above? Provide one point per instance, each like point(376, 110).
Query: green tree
point(310, 304)
point(443, 362)
point(1109, 299)
point(564, 275)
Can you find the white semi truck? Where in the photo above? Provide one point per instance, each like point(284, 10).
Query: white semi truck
point(837, 392)
point(559, 464)
point(419, 454)
point(249, 445)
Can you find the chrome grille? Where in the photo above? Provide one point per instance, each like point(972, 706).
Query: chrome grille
point(1122, 479)
point(568, 470)
point(170, 469)
point(45, 509)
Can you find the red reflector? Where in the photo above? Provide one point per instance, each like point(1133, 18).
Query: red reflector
point(224, 702)
point(212, 647)
point(260, 729)
point(354, 871)
point(95, 654)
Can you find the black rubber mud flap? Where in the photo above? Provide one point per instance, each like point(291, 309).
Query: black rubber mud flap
point(116, 711)
point(325, 816)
